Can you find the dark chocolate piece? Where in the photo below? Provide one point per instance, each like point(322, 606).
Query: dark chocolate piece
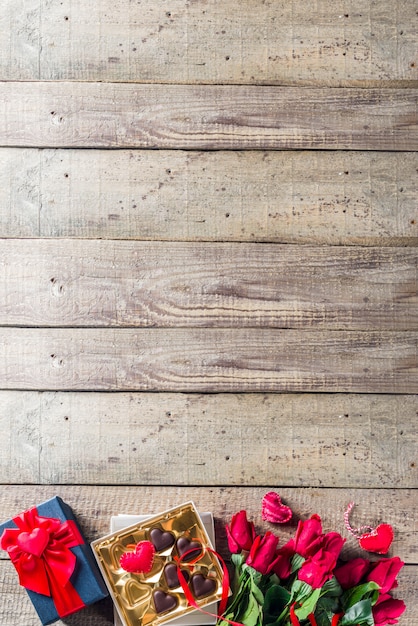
point(184, 545)
point(163, 601)
point(171, 576)
point(161, 539)
point(202, 586)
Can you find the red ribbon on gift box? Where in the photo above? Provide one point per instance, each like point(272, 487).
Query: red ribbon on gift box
point(39, 548)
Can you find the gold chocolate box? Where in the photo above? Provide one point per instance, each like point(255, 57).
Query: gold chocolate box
point(157, 597)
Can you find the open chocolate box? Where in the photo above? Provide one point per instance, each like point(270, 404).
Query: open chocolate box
point(156, 597)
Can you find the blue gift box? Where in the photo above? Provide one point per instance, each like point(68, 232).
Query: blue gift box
point(86, 578)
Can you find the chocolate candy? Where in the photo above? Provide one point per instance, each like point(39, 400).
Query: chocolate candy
point(202, 586)
point(161, 539)
point(171, 576)
point(163, 601)
point(185, 545)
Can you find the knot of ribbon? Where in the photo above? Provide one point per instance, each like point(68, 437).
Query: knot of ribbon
point(225, 582)
point(39, 548)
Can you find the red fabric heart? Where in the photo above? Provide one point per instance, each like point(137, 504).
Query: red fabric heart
point(273, 510)
point(378, 540)
point(34, 542)
point(140, 560)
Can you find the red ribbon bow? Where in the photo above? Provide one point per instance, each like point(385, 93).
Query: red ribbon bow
point(40, 551)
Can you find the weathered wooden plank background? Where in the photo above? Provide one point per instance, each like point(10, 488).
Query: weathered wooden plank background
point(208, 263)
point(328, 42)
point(117, 115)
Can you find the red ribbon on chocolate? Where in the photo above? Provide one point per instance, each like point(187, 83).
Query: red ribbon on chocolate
point(225, 584)
point(39, 548)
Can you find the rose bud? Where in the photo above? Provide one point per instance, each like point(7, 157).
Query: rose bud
point(241, 534)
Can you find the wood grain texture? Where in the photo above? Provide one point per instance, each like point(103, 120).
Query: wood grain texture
point(116, 283)
point(206, 117)
point(366, 198)
point(334, 440)
point(208, 360)
point(294, 43)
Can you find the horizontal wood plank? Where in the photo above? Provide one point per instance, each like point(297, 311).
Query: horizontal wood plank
point(74, 283)
point(95, 504)
point(325, 440)
point(330, 43)
point(366, 198)
point(208, 360)
point(116, 115)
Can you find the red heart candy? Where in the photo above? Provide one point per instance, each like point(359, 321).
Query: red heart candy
point(272, 509)
point(140, 560)
point(34, 542)
point(378, 540)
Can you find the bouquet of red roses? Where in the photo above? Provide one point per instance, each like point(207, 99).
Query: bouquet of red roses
point(303, 582)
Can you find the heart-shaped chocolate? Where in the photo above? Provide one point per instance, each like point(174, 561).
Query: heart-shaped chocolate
point(140, 560)
point(193, 548)
point(202, 586)
point(161, 539)
point(378, 540)
point(273, 510)
point(163, 601)
point(171, 575)
point(34, 542)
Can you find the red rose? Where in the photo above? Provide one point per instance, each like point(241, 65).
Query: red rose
point(241, 534)
point(384, 573)
point(350, 574)
point(333, 543)
point(308, 534)
point(318, 568)
point(283, 565)
point(263, 554)
point(387, 609)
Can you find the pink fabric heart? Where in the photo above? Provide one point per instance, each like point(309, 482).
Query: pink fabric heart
point(140, 560)
point(34, 542)
point(378, 540)
point(273, 510)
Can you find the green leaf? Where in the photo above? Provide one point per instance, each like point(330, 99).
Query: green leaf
point(308, 605)
point(325, 610)
point(276, 599)
point(273, 580)
point(332, 588)
point(239, 600)
point(257, 593)
point(360, 613)
point(253, 613)
point(256, 577)
point(300, 591)
point(237, 560)
point(296, 563)
point(365, 591)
